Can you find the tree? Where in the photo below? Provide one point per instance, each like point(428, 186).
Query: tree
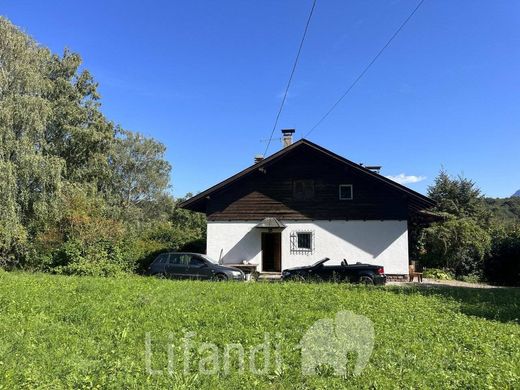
point(31, 176)
point(77, 191)
point(140, 172)
point(459, 197)
point(459, 244)
point(461, 241)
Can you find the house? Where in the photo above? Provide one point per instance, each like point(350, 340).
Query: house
point(304, 203)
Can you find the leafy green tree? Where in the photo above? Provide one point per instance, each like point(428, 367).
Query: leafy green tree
point(459, 244)
point(459, 197)
point(461, 241)
point(140, 172)
point(31, 176)
point(77, 191)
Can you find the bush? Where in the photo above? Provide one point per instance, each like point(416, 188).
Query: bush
point(503, 265)
point(440, 274)
point(89, 268)
point(459, 244)
point(196, 246)
point(102, 258)
point(472, 278)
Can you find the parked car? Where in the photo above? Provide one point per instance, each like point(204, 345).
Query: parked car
point(354, 273)
point(191, 266)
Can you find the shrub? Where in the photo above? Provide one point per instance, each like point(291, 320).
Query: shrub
point(503, 264)
point(102, 258)
point(459, 244)
point(436, 273)
point(472, 278)
point(84, 267)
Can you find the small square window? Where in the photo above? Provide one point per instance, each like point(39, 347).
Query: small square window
point(346, 192)
point(302, 242)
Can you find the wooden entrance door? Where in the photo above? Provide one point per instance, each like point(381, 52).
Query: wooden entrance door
point(271, 252)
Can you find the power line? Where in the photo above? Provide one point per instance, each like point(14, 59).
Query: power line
point(365, 70)
point(290, 77)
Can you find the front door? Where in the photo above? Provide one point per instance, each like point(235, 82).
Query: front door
point(271, 252)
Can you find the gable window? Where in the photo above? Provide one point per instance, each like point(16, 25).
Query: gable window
point(303, 189)
point(346, 192)
point(302, 242)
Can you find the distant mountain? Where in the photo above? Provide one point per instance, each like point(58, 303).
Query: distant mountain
point(517, 193)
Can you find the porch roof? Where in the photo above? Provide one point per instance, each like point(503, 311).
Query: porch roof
point(270, 223)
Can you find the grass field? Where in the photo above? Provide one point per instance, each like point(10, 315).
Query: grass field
point(74, 332)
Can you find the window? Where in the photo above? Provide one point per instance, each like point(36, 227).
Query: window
point(303, 189)
point(302, 242)
point(196, 262)
point(346, 192)
point(162, 258)
point(184, 259)
point(179, 259)
point(174, 259)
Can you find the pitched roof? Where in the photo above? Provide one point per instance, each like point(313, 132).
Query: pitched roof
point(417, 200)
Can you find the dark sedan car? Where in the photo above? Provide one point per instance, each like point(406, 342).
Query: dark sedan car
point(191, 266)
point(354, 273)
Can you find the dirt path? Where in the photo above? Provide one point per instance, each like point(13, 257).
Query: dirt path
point(435, 282)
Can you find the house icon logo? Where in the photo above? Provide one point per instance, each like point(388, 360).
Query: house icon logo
point(330, 341)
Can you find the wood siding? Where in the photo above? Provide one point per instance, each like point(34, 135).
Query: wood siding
point(269, 193)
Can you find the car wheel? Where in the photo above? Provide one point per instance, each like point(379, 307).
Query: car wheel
point(366, 280)
point(220, 278)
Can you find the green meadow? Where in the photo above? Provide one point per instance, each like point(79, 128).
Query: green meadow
point(86, 332)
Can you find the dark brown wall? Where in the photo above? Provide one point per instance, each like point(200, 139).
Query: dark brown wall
point(270, 193)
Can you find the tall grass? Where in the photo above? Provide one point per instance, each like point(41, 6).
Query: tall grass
point(84, 332)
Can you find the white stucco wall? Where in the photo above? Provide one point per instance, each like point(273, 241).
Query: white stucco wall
point(374, 242)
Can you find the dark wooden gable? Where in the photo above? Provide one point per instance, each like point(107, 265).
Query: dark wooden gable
point(268, 190)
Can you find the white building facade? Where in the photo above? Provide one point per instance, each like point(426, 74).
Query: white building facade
point(382, 243)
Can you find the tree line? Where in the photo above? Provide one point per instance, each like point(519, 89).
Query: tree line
point(80, 194)
point(475, 238)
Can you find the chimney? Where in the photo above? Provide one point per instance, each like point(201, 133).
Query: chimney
point(287, 137)
point(258, 158)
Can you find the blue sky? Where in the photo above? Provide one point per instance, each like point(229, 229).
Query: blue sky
point(206, 78)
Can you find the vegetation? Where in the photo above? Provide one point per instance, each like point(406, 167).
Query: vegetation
point(95, 328)
point(439, 274)
point(471, 240)
point(80, 195)
point(506, 210)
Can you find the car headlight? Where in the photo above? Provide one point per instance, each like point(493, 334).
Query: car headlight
point(285, 273)
point(236, 273)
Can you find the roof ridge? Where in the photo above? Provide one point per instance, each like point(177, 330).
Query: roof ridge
point(281, 152)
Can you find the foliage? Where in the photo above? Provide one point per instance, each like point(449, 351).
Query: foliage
point(459, 244)
point(140, 172)
point(459, 197)
point(503, 264)
point(506, 211)
point(72, 332)
point(437, 273)
point(461, 241)
point(472, 278)
point(79, 194)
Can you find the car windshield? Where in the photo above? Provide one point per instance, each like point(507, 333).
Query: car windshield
point(206, 257)
point(321, 262)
